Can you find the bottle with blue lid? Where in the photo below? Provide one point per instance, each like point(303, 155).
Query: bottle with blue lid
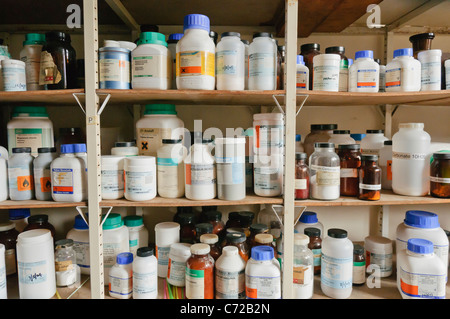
point(364, 73)
point(308, 219)
point(19, 216)
point(421, 274)
point(172, 46)
point(80, 236)
point(403, 73)
point(302, 82)
point(121, 277)
point(425, 225)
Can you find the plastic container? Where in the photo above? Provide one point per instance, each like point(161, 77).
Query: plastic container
point(3, 287)
point(195, 61)
point(268, 175)
point(145, 274)
point(178, 256)
point(410, 160)
point(430, 62)
point(373, 142)
point(112, 176)
point(170, 157)
point(159, 122)
point(324, 165)
point(364, 73)
point(31, 55)
point(8, 238)
point(318, 133)
point(42, 173)
point(80, 236)
point(14, 78)
point(125, 149)
point(30, 127)
point(262, 275)
point(302, 75)
point(20, 174)
point(151, 66)
point(336, 264)
point(379, 252)
point(19, 217)
point(80, 152)
point(308, 220)
point(200, 273)
point(67, 180)
point(172, 47)
point(309, 51)
point(230, 275)
point(425, 225)
point(326, 72)
point(166, 234)
point(385, 163)
point(230, 55)
point(140, 178)
point(4, 191)
point(121, 277)
point(403, 73)
point(420, 273)
point(138, 233)
point(341, 137)
point(262, 62)
point(268, 133)
point(343, 68)
point(36, 264)
point(303, 268)
point(114, 68)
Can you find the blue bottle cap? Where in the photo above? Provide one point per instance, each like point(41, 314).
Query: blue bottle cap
point(196, 21)
point(67, 148)
point(364, 54)
point(298, 137)
point(79, 148)
point(262, 253)
point(175, 37)
point(357, 136)
point(300, 59)
point(350, 62)
point(309, 218)
point(421, 219)
point(403, 52)
point(80, 224)
point(420, 246)
point(19, 213)
point(124, 258)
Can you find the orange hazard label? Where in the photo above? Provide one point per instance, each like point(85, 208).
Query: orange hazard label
point(25, 183)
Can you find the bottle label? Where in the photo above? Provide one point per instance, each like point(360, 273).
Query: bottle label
point(230, 170)
point(393, 78)
point(384, 261)
point(82, 252)
point(20, 178)
point(267, 178)
point(43, 180)
point(343, 78)
point(145, 282)
point(374, 187)
point(168, 174)
point(64, 265)
point(367, 78)
point(326, 78)
point(150, 66)
point(420, 285)
point(268, 136)
point(176, 272)
point(162, 254)
point(62, 180)
point(112, 181)
point(227, 62)
point(444, 180)
point(48, 73)
point(192, 63)
point(301, 184)
point(303, 275)
point(261, 64)
point(359, 272)
point(431, 73)
point(121, 286)
point(139, 182)
point(336, 272)
point(114, 70)
point(317, 256)
point(32, 273)
point(195, 283)
point(409, 156)
point(14, 79)
point(261, 287)
point(29, 137)
point(230, 284)
point(150, 139)
point(326, 175)
point(349, 172)
point(200, 174)
point(370, 151)
point(302, 78)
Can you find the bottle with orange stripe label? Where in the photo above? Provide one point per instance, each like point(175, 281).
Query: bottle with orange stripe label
point(403, 73)
point(20, 174)
point(364, 73)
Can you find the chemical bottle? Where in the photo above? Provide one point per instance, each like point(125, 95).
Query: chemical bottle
point(172, 46)
point(19, 217)
point(20, 174)
point(42, 174)
point(308, 219)
point(385, 163)
point(121, 277)
point(4, 191)
point(230, 54)
point(303, 268)
point(364, 73)
point(343, 68)
point(125, 149)
point(14, 78)
point(200, 273)
point(66, 268)
point(80, 236)
point(112, 176)
point(176, 269)
point(230, 274)
point(166, 234)
point(145, 274)
point(137, 232)
point(302, 78)
point(170, 167)
point(403, 73)
point(195, 61)
point(139, 178)
point(31, 55)
point(326, 72)
point(262, 62)
point(430, 63)
point(341, 137)
point(80, 152)
point(373, 142)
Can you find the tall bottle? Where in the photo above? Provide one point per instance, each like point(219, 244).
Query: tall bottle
point(31, 55)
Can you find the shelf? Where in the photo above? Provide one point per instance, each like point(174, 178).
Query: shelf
point(11, 204)
point(44, 97)
point(387, 198)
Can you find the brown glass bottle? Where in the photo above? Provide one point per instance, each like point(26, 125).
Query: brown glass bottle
point(213, 241)
point(246, 219)
point(214, 217)
point(301, 177)
point(315, 244)
point(254, 230)
point(369, 175)
point(309, 51)
point(202, 228)
point(350, 161)
point(359, 266)
point(440, 175)
point(40, 222)
point(238, 239)
point(233, 220)
point(187, 228)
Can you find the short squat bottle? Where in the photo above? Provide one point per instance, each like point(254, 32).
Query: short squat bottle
point(369, 175)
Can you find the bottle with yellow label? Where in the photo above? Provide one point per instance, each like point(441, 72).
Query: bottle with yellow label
point(195, 61)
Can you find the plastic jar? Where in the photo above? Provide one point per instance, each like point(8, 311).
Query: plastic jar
point(200, 273)
point(3, 286)
point(30, 127)
point(230, 165)
point(114, 68)
point(268, 175)
point(121, 277)
point(19, 217)
point(302, 75)
point(145, 277)
point(341, 137)
point(151, 63)
point(31, 55)
point(67, 180)
point(172, 47)
point(326, 72)
point(309, 51)
point(308, 220)
point(170, 167)
point(422, 224)
point(324, 165)
point(343, 67)
point(115, 241)
point(410, 160)
point(80, 236)
point(159, 122)
point(373, 142)
point(20, 174)
point(200, 172)
point(40, 222)
point(42, 173)
point(369, 175)
point(385, 164)
point(230, 275)
point(359, 266)
point(440, 175)
point(166, 234)
point(303, 268)
point(230, 54)
point(262, 62)
point(14, 78)
point(403, 73)
point(318, 133)
point(8, 238)
point(195, 61)
point(315, 244)
point(269, 133)
point(420, 273)
point(112, 176)
point(36, 264)
point(430, 63)
point(178, 256)
point(336, 264)
point(125, 149)
point(364, 73)
point(140, 178)
point(350, 161)
point(4, 191)
point(378, 252)
point(262, 275)
point(137, 232)
point(66, 269)
point(301, 177)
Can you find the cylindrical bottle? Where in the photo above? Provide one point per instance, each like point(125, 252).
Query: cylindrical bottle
point(303, 268)
point(8, 238)
point(308, 219)
point(341, 137)
point(350, 161)
point(385, 163)
point(80, 236)
point(214, 217)
point(254, 230)
point(170, 157)
point(176, 270)
point(40, 222)
point(359, 266)
point(42, 173)
point(324, 167)
point(315, 244)
point(66, 269)
point(145, 274)
point(31, 55)
point(364, 73)
point(137, 232)
point(262, 62)
point(343, 67)
point(121, 277)
point(268, 175)
point(238, 239)
point(140, 178)
point(19, 217)
point(326, 72)
point(369, 176)
point(230, 62)
point(302, 74)
point(112, 176)
point(187, 227)
point(230, 275)
point(319, 133)
point(13, 72)
point(200, 273)
point(125, 149)
point(166, 234)
point(440, 175)
point(378, 252)
point(269, 134)
point(430, 63)
point(114, 68)
point(20, 174)
point(3, 287)
point(301, 177)
point(403, 73)
point(372, 142)
point(309, 51)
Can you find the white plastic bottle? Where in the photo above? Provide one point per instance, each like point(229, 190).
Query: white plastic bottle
point(326, 72)
point(336, 264)
point(303, 268)
point(262, 275)
point(140, 178)
point(137, 232)
point(125, 149)
point(246, 47)
point(166, 234)
point(195, 61)
point(230, 274)
point(176, 270)
point(31, 55)
point(230, 55)
point(151, 66)
point(14, 78)
point(420, 273)
point(411, 160)
point(67, 176)
point(385, 163)
point(170, 157)
point(430, 62)
point(4, 191)
point(3, 287)
point(302, 78)
point(80, 236)
point(20, 174)
point(200, 172)
point(42, 173)
point(308, 219)
point(112, 176)
point(365, 73)
point(80, 152)
point(145, 274)
point(172, 46)
point(379, 252)
point(268, 175)
point(373, 142)
point(262, 62)
point(121, 277)
point(403, 73)
point(341, 137)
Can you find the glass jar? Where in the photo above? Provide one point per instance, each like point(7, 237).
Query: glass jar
point(281, 59)
point(315, 244)
point(214, 217)
point(202, 228)
point(421, 42)
point(38, 222)
point(324, 172)
point(213, 241)
point(233, 220)
point(301, 177)
point(8, 237)
point(200, 273)
point(350, 159)
point(254, 230)
point(440, 175)
point(369, 176)
point(58, 62)
point(319, 133)
point(187, 228)
point(65, 263)
point(238, 239)
point(246, 219)
point(309, 51)
point(359, 265)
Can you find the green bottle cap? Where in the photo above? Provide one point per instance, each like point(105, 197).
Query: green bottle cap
point(152, 38)
point(34, 38)
point(160, 109)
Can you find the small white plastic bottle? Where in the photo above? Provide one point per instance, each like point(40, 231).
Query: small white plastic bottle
point(170, 157)
point(195, 61)
point(385, 163)
point(140, 178)
point(326, 72)
point(42, 173)
point(80, 152)
point(365, 73)
point(262, 62)
point(166, 234)
point(230, 274)
point(179, 254)
point(336, 264)
point(302, 82)
point(403, 73)
point(230, 54)
point(372, 142)
point(137, 232)
point(20, 174)
point(112, 176)
point(121, 277)
point(145, 274)
point(420, 273)
point(303, 268)
point(430, 62)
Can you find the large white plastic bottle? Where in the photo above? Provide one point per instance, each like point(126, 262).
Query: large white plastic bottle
point(145, 274)
point(262, 62)
point(365, 73)
point(230, 57)
point(403, 73)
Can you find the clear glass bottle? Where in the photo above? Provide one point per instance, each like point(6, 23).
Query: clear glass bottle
point(324, 168)
point(303, 268)
point(369, 176)
point(65, 263)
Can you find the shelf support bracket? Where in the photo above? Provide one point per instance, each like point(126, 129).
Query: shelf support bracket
point(83, 215)
point(280, 108)
point(102, 107)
